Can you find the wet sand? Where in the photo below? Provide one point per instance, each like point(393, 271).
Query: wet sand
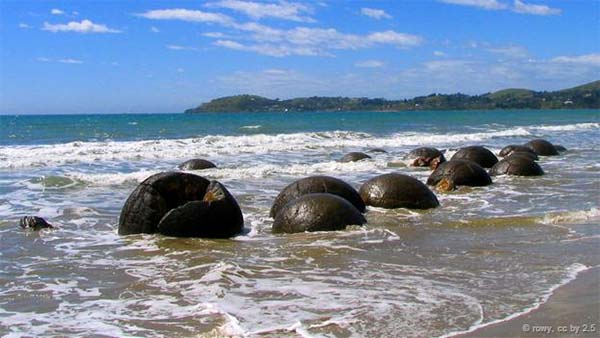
point(572, 311)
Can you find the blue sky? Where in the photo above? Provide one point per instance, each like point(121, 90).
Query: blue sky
point(166, 56)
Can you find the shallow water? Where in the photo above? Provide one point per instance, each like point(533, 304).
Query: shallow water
point(485, 254)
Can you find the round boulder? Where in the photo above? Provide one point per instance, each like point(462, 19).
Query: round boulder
point(393, 190)
point(196, 164)
point(542, 147)
point(377, 150)
point(518, 165)
point(317, 184)
point(460, 172)
point(154, 200)
point(426, 157)
point(477, 154)
point(560, 148)
point(513, 148)
point(34, 223)
point(317, 212)
point(354, 156)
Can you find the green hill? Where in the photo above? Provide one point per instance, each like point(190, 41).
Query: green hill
point(584, 96)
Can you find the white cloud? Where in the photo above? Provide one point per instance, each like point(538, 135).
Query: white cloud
point(257, 10)
point(24, 25)
point(439, 53)
point(272, 50)
point(56, 11)
point(85, 26)
point(154, 29)
point(179, 47)
point(588, 59)
point(186, 15)
point(370, 64)
point(485, 4)
point(70, 61)
point(521, 7)
point(180, 70)
point(214, 35)
point(375, 13)
point(510, 51)
point(43, 59)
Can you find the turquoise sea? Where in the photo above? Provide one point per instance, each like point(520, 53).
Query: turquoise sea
point(484, 255)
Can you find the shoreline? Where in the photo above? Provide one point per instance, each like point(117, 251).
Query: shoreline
point(571, 310)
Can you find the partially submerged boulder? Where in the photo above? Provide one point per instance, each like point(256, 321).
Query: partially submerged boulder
point(513, 148)
point(354, 157)
point(394, 190)
point(317, 212)
point(542, 147)
point(317, 184)
point(460, 172)
point(426, 157)
point(517, 164)
point(34, 223)
point(196, 164)
point(164, 197)
point(477, 154)
point(377, 150)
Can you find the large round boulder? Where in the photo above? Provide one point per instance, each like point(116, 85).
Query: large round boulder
point(426, 157)
point(394, 190)
point(317, 212)
point(196, 164)
point(317, 184)
point(517, 164)
point(513, 148)
point(460, 172)
point(542, 147)
point(477, 154)
point(153, 200)
point(354, 157)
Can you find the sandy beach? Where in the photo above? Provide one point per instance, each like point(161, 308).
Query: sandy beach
point(572, 311)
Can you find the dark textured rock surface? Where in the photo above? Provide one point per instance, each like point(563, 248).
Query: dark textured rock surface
point(196, 164)
point(424, 156)
point(460, 172)
point(317, 212)
point(542, 147)
point(218, 215)
point(559, 147)
point(377, 150)
point(477, 154)
point(513, 148)
point(317, 184)
point(517, 164)
point(354, 156)
point(34, 223)
point(397, 191)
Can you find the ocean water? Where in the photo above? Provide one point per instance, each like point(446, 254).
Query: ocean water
point(484, 255)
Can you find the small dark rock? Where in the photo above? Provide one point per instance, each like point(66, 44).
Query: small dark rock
point(518, 165)
point(460, 172)
point(317, 184)
point(513, 148)
point(560, 148)
point(34, 223)
point(477, 154)
point(393, 190)
point(377, 150)
point(317, 212)
point(196, 164)
point(542, 147)
point(354, 156)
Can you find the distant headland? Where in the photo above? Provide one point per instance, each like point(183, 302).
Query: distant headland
point(585, 96)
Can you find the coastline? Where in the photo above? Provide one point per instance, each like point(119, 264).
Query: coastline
point(572, 308)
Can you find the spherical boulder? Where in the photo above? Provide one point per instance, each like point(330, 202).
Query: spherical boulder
point(377, 150)
point(560, 148)
point(517, 164)
point(477, 154)
point(217, 215)
point(426, 157)
point(394, 190)
point(542, 147)
point(34, 223)
point(196, 164)
point(354, 157)
point(530, 155)
point(460, 172)
point(149, 204)
point(317, 184)
point(317, 212)
point(513, 148)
